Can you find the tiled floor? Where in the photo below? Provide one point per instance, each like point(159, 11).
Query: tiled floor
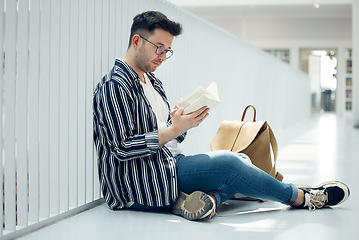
point(324, 148)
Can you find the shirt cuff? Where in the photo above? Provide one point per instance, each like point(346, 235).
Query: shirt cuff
point(151, 139)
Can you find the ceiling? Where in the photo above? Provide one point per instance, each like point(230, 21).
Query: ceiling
point(213, 10)
point(187, 3)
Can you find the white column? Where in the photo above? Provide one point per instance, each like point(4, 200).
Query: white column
point(244, 29)
point(355, 57)
point(341, 75)
point(295, 57)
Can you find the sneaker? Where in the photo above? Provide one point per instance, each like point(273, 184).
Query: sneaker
point(195, 206)
point(324, 195)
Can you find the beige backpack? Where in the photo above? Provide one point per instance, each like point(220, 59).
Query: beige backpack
point(255, 139)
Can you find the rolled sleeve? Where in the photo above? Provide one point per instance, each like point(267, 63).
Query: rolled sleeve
point(151, 139)
point(181, 137)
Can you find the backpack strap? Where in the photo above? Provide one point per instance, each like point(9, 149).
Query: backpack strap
point(245, 111)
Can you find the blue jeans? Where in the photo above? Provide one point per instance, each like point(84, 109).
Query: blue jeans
point(223, 174)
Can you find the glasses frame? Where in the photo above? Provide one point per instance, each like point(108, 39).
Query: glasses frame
point(158, 52)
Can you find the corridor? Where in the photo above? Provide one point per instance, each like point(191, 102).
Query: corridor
point(326, 147)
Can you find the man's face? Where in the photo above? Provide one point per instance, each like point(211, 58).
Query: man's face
point(146, 58)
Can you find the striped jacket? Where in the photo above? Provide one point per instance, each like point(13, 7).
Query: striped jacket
point(131, 166)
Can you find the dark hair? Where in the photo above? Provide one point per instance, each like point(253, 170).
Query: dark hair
point(145, 23)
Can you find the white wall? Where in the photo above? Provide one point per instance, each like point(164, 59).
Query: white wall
point(244, 74)
point(355, 9)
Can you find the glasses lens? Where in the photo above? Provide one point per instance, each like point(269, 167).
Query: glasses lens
point(160, 50)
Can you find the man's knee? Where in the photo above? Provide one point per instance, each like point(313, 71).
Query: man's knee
point(231, 159)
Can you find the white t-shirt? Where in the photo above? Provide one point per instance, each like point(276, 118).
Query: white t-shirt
point(161, 110)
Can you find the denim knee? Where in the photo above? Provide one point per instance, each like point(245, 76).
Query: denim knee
point(231, 160)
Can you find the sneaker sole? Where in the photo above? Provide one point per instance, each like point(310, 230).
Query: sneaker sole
point(195, 204)
point(192, 207)
point(331, 183)
point(177, 206)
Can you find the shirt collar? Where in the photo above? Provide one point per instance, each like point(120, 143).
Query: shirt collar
point(156, 83)
point(134, 76)
point(127, 69)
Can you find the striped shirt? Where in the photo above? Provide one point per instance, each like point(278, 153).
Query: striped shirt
point(131, 165)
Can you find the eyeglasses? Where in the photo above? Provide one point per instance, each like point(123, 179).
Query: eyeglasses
point(160, 49)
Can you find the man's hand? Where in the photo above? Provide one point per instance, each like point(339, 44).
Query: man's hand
point(181, 123)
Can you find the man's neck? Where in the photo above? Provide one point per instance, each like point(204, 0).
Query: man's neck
point(140, 74)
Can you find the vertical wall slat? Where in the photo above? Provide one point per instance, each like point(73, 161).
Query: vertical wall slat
point(33, 93)
point(73, 104)
point(125, 31)
point(64, 104)
point(105, 38)
point(55, 107)
point(132, 12)
point(112, 33)
point(44, 109)
point(118, 30)
point(9, 119)
point(97, 73)
point(89, 91)
point(1, 113)
point(81, 97)
point(22, 111)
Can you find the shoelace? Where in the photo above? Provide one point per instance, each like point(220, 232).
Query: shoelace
point(317, 199)
point(213, 213)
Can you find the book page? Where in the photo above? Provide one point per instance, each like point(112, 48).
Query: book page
point(199, 98)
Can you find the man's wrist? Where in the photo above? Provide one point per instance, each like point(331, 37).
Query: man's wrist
point(167, 134)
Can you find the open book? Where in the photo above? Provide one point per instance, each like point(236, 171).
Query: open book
point(199, 98)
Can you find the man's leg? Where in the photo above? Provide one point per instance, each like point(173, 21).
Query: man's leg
point(224, 173)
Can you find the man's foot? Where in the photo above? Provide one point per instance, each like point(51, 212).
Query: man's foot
point(326, 194)
point(195, 206)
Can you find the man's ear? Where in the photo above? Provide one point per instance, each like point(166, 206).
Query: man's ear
point(136, 39)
